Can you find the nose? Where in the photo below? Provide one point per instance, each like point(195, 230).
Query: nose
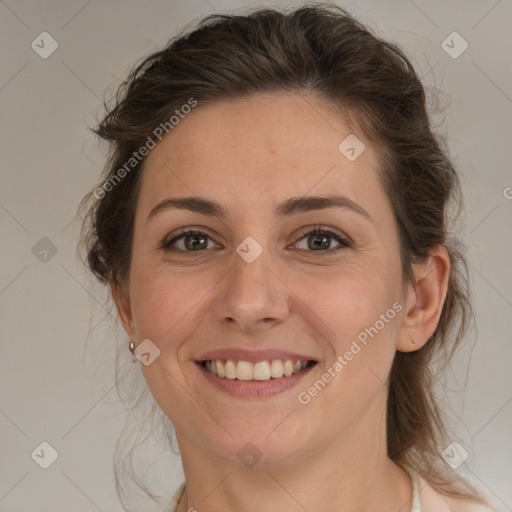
point(253, 297)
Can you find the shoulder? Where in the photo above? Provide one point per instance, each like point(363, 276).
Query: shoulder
point(434, 501)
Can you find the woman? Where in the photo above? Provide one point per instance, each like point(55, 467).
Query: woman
point(272, 226)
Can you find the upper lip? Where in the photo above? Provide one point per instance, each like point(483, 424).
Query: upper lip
point(253, 356)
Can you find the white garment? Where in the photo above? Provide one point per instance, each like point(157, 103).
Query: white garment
point(173, 504)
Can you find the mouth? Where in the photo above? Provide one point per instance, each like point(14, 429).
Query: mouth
point(257, 379)
point(255, 371)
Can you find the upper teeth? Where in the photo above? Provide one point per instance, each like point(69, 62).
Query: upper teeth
point(262, 370)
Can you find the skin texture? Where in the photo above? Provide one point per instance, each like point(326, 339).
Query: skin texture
point(249, 155)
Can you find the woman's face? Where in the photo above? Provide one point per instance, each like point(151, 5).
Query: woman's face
point(254, 286)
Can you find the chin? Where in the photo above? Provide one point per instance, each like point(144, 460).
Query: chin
point(261, 442)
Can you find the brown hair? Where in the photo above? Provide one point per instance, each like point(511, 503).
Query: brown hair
point(320, 50)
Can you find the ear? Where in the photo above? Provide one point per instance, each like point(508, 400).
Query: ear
point(122, 301)
point(425, 300)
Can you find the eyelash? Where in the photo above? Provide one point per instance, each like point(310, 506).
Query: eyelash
point(166, 245)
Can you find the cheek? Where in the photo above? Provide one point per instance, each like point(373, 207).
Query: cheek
point(165, 302)
point(349, 299)
point(357, 311)
point(167, 308)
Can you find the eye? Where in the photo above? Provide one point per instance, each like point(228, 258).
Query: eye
point(318, 240)
point(193, 240)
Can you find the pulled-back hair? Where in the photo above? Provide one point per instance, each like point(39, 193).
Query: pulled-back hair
point(319, 50)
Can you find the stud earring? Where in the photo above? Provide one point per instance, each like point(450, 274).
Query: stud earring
point(131, 346)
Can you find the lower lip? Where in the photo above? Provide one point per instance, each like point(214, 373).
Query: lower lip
point(254, 388)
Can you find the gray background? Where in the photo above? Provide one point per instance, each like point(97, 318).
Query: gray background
point(56, 366)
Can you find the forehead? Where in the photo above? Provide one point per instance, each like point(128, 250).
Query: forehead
point(258, 149)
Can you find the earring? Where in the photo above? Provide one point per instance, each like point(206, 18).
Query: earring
point(131, 346)
point(412, 339)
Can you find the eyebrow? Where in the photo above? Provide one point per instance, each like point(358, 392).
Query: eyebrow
point(293, 205)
